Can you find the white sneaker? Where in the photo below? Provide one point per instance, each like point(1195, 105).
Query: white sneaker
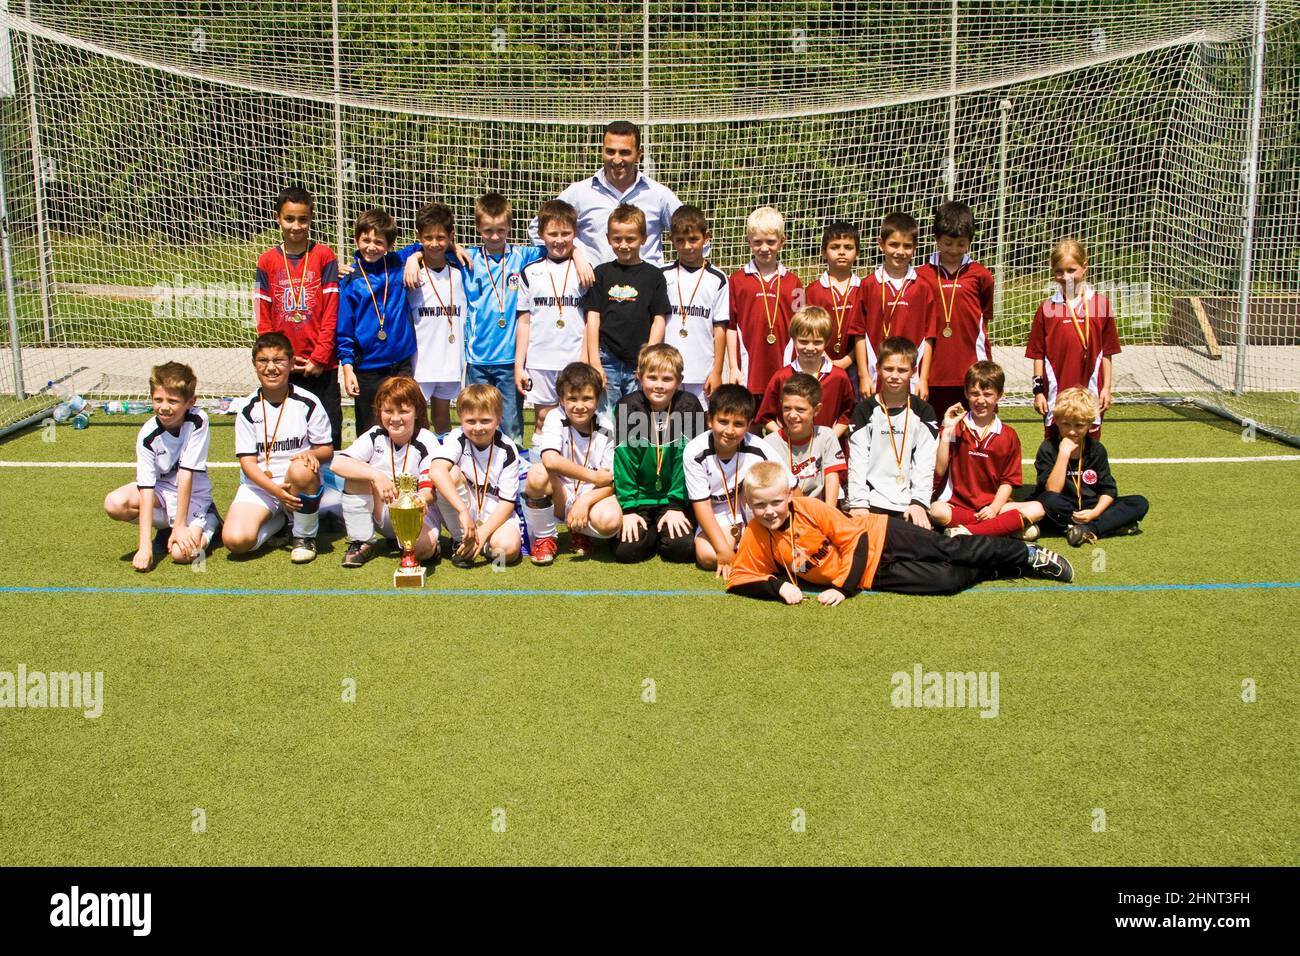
point(1029, 533)
point(957, 530)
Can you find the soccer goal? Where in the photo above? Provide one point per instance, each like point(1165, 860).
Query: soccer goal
point(144, 142)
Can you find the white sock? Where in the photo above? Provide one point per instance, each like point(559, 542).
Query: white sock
point(359, 517)
point(270, 527)
point(540, 521)
point(306, 526)
point(210, 522)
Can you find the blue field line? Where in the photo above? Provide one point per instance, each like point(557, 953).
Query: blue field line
point(1046, 589)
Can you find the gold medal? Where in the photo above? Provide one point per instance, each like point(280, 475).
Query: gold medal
point(771, 339)
point(501, 323)
point(901, 478)
point(452, 337)
point(382, 335)
point(267, 472)
point(735, 533)
point(682, 333)
point(559, 323)
point(947, 331)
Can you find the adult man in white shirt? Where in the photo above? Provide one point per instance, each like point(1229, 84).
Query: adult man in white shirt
point(619, 180)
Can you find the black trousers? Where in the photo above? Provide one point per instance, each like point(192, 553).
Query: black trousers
point(916, 561)
point(325, 386)
point(369, 381)
point(1124, 510)
point(679, 549)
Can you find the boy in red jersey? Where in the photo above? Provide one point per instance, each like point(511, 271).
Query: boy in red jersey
point(980, 456)
point(1072, 339)
point(963, 291)
point(896, 302)
point(763, 297)
point(800, 540)
point(810, 330)
point(297, 293)
point(838, 292)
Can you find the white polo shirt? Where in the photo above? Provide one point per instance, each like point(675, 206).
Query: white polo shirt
point(595, 199)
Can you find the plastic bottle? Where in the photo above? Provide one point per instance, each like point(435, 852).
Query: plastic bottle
point(138, 408)
point(114, 407)
point(82, 419)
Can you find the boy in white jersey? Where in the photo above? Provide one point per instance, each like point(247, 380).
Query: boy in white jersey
point(811, 451)
point(483, 463)
point(171, 473)
point(401, 444)
point(715, 463)
point(437, 305)
point(572, 477)
point(550, 334)
point(282, 437)
point(892, 443)
point(699, 304)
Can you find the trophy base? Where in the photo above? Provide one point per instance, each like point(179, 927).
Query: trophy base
point(409, 577)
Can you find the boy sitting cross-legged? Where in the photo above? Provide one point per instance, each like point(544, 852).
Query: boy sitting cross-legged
point(798, 540)
point(572, 476)
point(399, 444)
point(812, 451)
point(653, 425)
point(483, 463)
point(1075, 485)
point(171, 484)
point(892, 443)
point(715, 463)
point(282, 437)
point(980, 458)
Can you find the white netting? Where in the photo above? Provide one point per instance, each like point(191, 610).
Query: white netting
point(145, 143)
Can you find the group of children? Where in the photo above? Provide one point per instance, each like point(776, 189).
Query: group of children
point(772, 433)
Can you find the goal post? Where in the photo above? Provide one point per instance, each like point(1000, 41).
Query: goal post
point(143, 145)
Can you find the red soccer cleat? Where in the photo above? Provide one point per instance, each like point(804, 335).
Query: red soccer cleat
point(581, 544)
point(543, 550)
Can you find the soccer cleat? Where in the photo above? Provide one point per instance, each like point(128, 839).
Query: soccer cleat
point(1028, 534)
point(957, 530)
point(304, 551)
point(544, 550)
point(358, 553)
point(1048, 564)
point(581, 544)
point(1080, 534)
point(459, 560)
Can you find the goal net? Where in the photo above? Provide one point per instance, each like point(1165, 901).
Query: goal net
point(144, 143)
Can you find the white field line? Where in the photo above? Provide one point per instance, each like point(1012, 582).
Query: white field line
point(1023, 461)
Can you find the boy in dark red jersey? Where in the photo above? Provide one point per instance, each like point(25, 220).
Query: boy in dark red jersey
point(838, 292)
point(297, 293)
point(810, 331)
point(895, 301)
point(980, 457)
point(963, 291)
point(763, 297)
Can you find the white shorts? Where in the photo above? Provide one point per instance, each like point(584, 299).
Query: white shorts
point(432, 524)
point(164, 507)
point(724, 522)
point(443, 390)
point(543, 390)
point(591, 533)
point(253, 495)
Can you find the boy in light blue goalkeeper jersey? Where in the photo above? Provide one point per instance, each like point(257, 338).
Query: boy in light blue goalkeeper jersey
point(492, 284)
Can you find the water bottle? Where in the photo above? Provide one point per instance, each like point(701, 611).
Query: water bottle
point(82, 419)
point(138, 408)
point(115, 407)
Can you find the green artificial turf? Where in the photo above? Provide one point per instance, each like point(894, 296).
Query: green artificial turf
point(1128, 701)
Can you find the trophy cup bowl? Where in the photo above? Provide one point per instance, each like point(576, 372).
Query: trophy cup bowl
point(407, 516)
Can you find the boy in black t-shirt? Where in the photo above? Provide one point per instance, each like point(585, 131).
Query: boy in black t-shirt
point(1075, 485)
point(626, 306)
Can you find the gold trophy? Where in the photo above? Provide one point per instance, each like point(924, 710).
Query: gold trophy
point(407, 515)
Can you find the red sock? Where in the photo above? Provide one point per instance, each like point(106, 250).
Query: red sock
point(1001, 526)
